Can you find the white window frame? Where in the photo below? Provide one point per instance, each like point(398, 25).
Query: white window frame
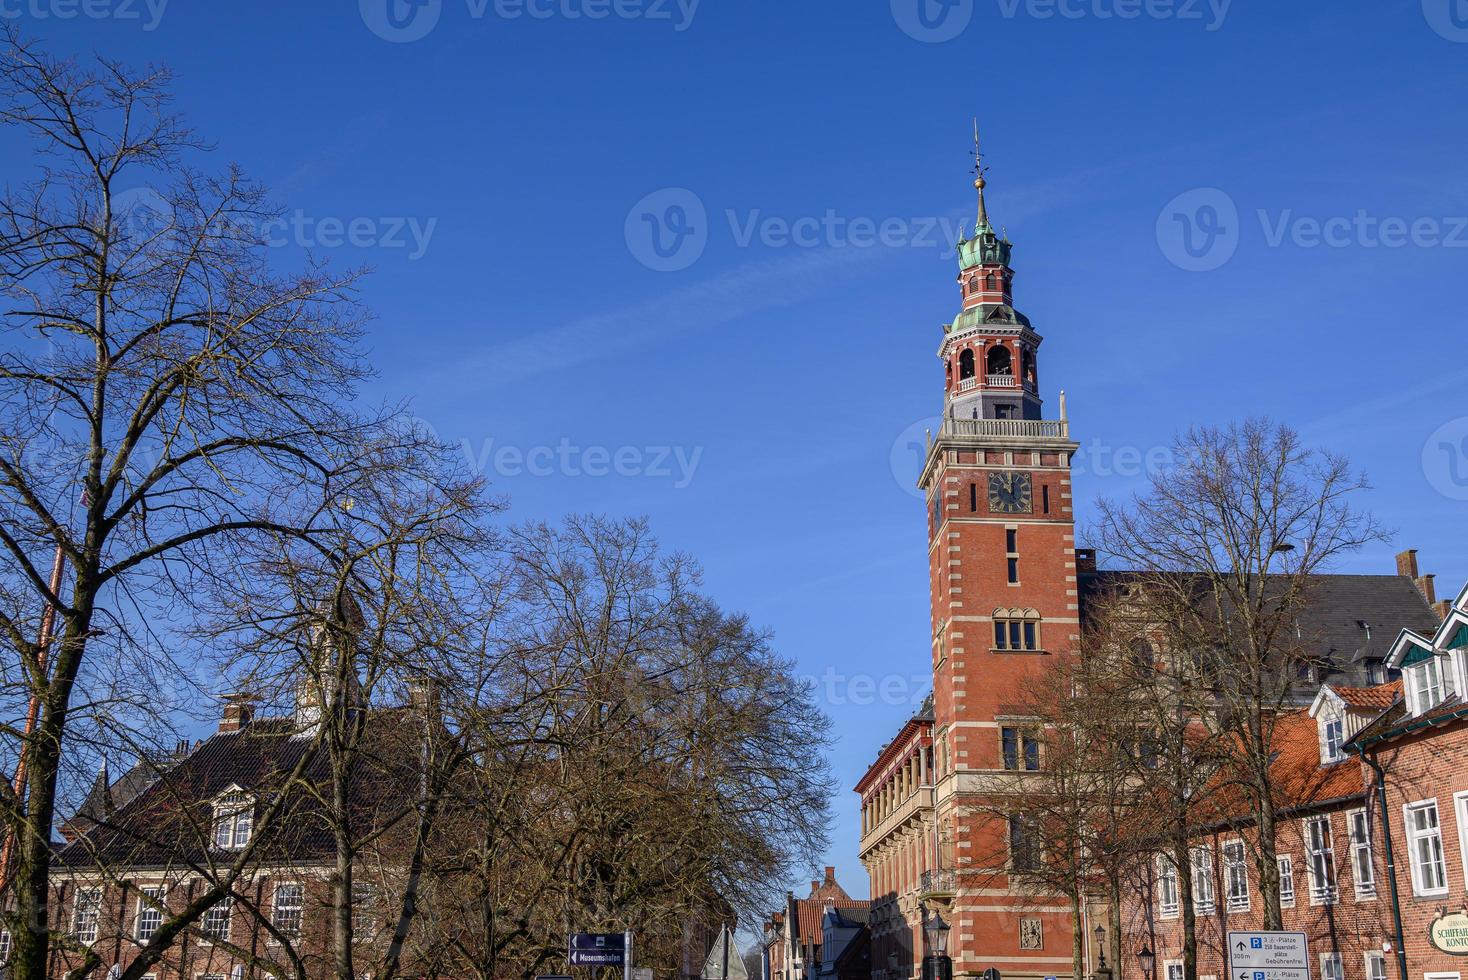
point(85, 930)
point(225, 907)
point(159, 894)
point(1361, 847)
point(1328, 893)
point(234, 819)
point(1460, 810)
point(295, 911)
point(1327, 960)
point(1430, 683)
point(1236, 903)
point(1167, 970)
point(1414, 836)
point(1167, 869)
point(1205, 898)
point(1286, 865)
point(1372, 958)
point(1330, 748)
point(364, 910)
point(4, 946)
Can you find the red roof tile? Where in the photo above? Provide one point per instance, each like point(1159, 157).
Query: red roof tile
point(1377, 698)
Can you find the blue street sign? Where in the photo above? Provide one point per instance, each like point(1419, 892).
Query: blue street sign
point(597, 949)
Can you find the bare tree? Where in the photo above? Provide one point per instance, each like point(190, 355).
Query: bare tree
point(167, 401)
point(1225, 544)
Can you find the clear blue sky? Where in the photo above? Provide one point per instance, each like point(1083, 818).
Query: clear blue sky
point(791, 375)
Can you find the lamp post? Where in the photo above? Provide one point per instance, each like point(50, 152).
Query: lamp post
point(1147, 959)
point(1102, 971)
point(937, 965)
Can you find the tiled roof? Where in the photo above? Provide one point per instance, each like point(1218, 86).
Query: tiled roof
point(810, 911)
point(1377, 698)
point(169, 821)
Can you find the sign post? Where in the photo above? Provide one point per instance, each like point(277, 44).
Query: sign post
point(1268, 956)
point(599, 949)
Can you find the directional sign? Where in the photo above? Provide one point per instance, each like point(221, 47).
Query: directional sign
point(597, 949)
point(1268, 956)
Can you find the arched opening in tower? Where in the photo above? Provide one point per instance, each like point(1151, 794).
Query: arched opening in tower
point(999, 361)
point(965, 365)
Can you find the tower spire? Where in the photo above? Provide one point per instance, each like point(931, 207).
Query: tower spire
point(979, 181)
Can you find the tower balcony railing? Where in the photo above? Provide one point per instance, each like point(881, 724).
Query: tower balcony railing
point(1007, 428)
point(1003, 381)
point(968, 384)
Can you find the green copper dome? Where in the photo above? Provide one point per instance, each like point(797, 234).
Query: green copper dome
point(985, 248)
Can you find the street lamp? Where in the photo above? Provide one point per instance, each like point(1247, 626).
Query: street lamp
point(1100, 932)
point(937, 965)
point(1147, 958)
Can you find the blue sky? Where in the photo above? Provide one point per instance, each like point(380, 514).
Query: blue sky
point(1218, 210)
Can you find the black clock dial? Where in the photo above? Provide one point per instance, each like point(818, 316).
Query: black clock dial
point(1011, 493)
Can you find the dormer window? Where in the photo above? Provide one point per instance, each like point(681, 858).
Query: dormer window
point(1332, 737)
point(1429, 684)
point(234, 819)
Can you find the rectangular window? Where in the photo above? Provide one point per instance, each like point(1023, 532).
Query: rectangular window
point(1334, 738)
point(1430, 684)
point(150, 913)
point(1331, 967)
point(1362, 867)
point(1320, 858)
point(215, 924)
point(234, 818)
point(1016, 634)
point(285, 911)
point(1024, 854)
point(1286, 881)
point(1375, 966)
point(973, 498)
point(1175, 970)
point(1021, 750)
point(86, 913)
point(4, 947)
point(1013, 571)
point(1011, 541)
point(364, 909)
point(1001, 635)
point(1202, 880)
point(1425, 848)
point(1236, 874)
point(1168, 905)
point(1045, 498)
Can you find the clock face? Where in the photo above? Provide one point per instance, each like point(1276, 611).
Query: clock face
point(1011, 493)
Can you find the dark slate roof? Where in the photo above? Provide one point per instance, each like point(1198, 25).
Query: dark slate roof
point(169, 821)
point(1351, 619)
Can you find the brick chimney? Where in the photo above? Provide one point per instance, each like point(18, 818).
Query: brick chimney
point(1443, 608)
point(239, 710)
point(830, 875)
point(1407, 565)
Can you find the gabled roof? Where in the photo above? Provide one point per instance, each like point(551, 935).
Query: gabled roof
point(1367, 699)
point(1445, 637)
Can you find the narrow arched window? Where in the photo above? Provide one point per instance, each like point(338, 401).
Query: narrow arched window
point(991, 283)
point(966, 365)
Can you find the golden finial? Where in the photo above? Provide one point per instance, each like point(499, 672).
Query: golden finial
point(979, 181)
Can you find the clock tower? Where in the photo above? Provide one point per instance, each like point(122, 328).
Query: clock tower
point(1001, 550)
